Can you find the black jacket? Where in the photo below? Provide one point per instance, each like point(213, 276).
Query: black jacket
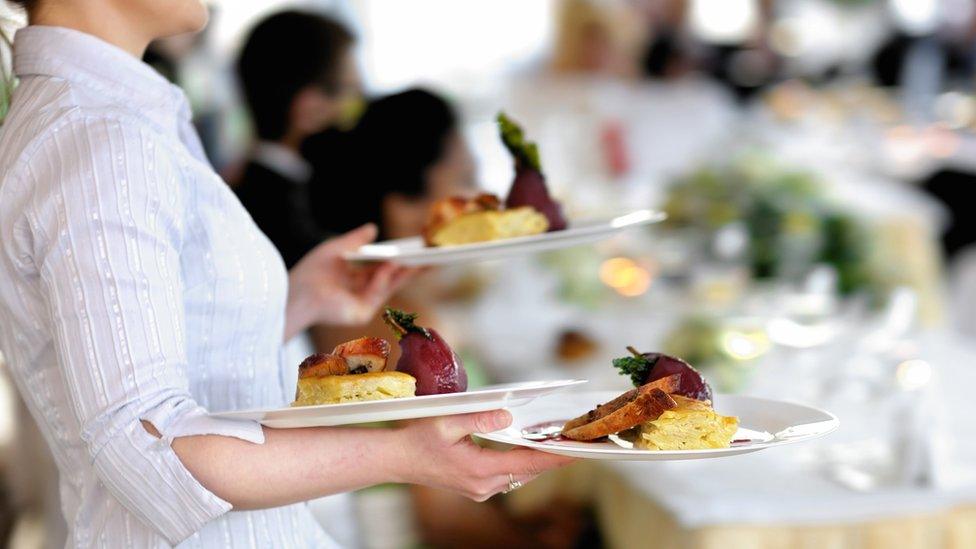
point(281, 209)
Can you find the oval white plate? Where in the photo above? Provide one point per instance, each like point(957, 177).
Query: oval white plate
point(412, 251)
point(765, 423)
point(492, 397)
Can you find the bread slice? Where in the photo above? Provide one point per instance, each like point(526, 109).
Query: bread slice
point(489, 225)
point(354, 388)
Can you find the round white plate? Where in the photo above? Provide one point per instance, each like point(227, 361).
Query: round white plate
point(492, 397)
point(412, 251)
point(764, 423)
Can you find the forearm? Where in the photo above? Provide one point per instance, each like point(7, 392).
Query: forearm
point(292, 465)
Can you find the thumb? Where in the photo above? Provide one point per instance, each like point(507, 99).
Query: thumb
point(354, 238)
point(481, 422)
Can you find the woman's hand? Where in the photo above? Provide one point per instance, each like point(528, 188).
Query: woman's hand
point(438, 452)
point(324, 288)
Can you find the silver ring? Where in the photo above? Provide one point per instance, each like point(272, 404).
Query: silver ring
point(512, 484)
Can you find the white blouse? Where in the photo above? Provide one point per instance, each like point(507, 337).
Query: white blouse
point(134, 286)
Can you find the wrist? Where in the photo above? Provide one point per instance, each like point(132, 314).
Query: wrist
point(398, 464)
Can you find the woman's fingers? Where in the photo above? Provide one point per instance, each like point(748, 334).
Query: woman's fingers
point(353, 239)
point(496, 485)
point(385, 281)
point(522, 465)
point(402, 276)
point(379, 281)
point(456, 428)
point(523, 461)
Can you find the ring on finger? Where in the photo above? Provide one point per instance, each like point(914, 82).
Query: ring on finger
point(513, 484)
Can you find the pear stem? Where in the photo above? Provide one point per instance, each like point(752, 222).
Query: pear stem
point(398, 330)
point(402, 323)
point(634, 352)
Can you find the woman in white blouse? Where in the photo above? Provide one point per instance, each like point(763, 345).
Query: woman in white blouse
point(137, 295)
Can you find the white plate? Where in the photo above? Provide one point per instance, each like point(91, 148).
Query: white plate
point(412, 251)
point(492, 397)
point(765, 423)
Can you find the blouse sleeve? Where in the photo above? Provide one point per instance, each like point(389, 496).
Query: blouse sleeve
point(107, 220)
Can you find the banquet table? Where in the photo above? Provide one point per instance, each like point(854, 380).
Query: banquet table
point(798, 496)
point(795, 496)
point(629, 517)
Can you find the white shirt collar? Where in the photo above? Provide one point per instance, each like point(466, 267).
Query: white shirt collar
point(89, 61)
point(283, 160)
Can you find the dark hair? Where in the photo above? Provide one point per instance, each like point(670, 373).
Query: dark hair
point(398, 137)
point(284, 53)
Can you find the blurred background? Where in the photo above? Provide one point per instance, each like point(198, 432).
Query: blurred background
point(817, 159)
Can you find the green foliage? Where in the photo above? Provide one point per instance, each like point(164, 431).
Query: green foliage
point(526, 153)
point(636, 367)
point(790, 223)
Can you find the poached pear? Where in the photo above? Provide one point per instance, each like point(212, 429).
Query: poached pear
point(426, 356)
point(647, 367)
point(529, 186)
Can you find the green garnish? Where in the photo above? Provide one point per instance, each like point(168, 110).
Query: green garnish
point(636, 366)
point(402, 323)
point(526, 153)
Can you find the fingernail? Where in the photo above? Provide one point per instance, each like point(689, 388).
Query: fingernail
point(502, 419)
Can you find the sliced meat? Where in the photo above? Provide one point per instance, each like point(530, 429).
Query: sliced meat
point(667, 384)
point(634, 407)
point(321, 365)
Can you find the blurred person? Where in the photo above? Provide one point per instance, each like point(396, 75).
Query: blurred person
point(138, 296)
point(407, 151)
point(669, 50)
point(298, 76)
point(597, 37)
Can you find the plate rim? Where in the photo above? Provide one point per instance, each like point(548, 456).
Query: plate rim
point(601, 226)
point(351, 407)
point(832, 420)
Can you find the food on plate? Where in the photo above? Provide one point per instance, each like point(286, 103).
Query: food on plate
point(321, 365)
point(366, 354)
point(354, 371)
point(456, 220)
point(690, 425)
point(646, 367)
point(670, 408)
point(529, 187)
point(426, 356)
point(354, 388)
point(632, 408)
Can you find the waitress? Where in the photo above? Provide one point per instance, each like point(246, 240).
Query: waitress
point(138, 295)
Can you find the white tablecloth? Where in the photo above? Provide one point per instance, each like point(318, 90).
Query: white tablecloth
point(517, 325)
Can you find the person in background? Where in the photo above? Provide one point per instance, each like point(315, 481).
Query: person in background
point(298, 77)
point(597, 38)
point(405, 152)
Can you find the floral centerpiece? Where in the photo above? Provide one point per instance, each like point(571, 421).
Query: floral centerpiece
point(788, 222)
